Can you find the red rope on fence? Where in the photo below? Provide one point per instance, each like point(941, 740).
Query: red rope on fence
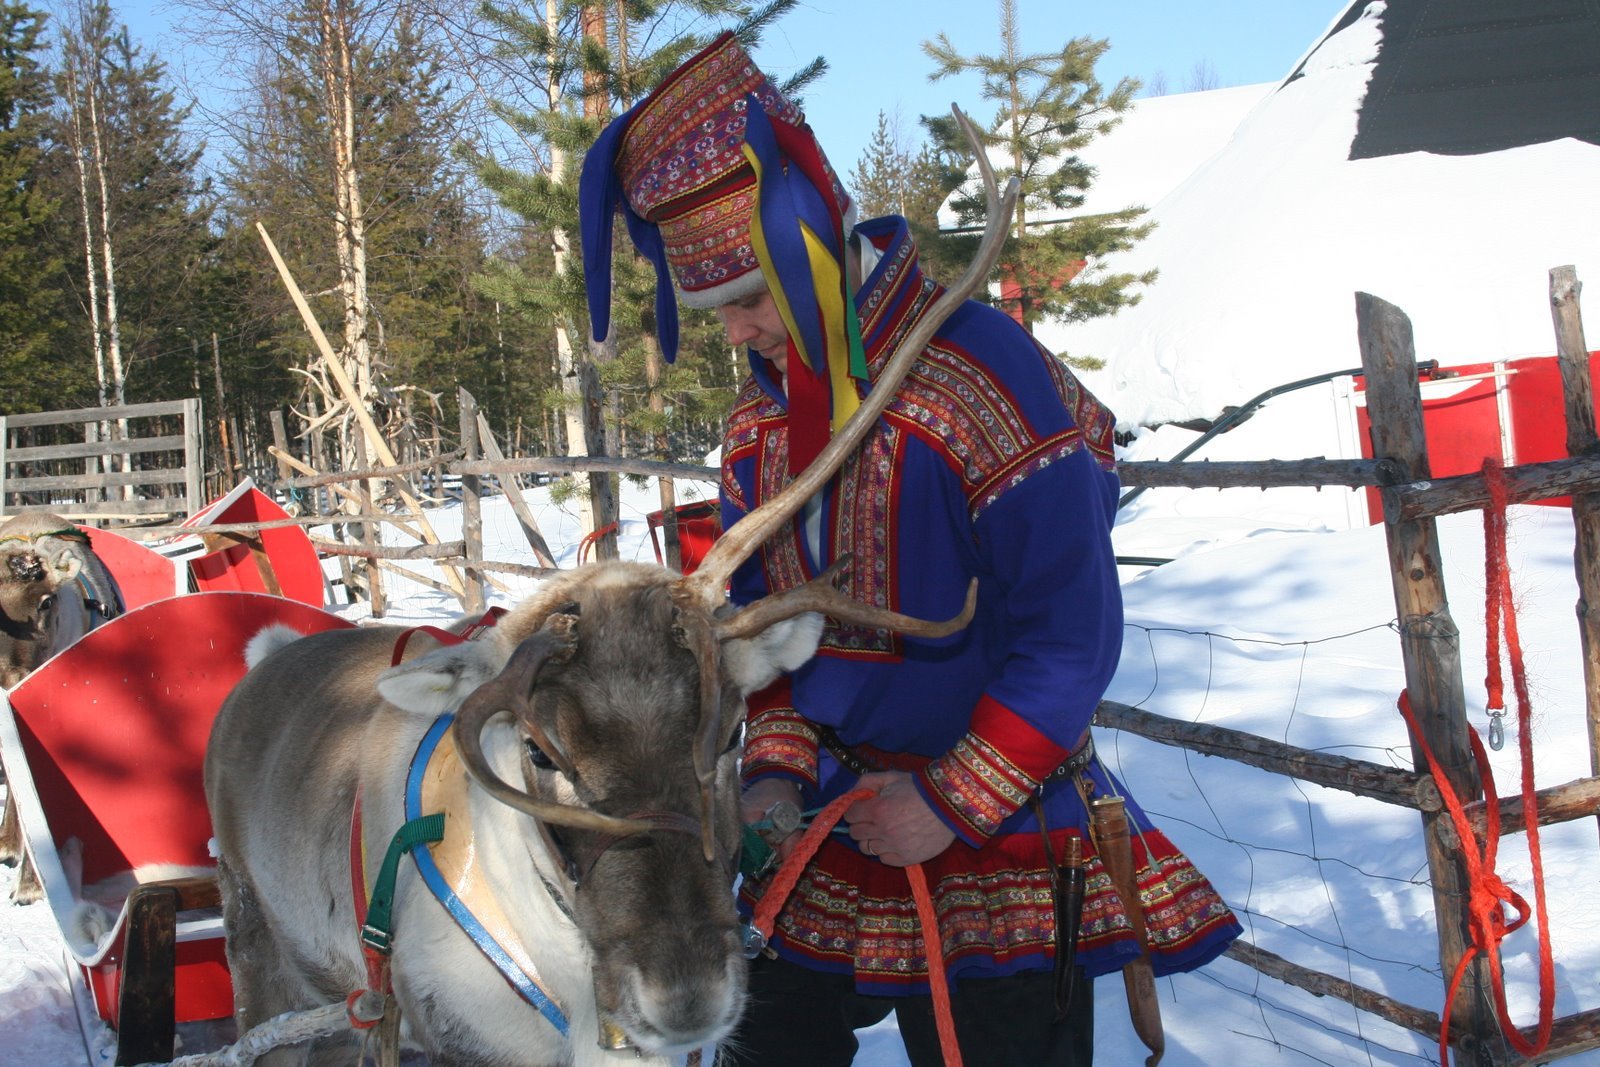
point(771, 903)
point(1487, 893)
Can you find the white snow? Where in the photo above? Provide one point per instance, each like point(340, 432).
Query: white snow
point(1261, 247)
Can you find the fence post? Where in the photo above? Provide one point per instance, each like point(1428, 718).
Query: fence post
point(194, 464)
point(602, 499)
point(1577, 387)
point(5, 463)
point(471, 503)
point(1430, 646)
point(280, 440)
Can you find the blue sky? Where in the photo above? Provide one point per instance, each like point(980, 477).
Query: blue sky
point(876, 59)
point(874, 51)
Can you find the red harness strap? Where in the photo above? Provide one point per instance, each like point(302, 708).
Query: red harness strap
point(445, 637)
point(783, 883)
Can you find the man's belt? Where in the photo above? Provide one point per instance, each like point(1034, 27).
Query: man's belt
point(852, 758)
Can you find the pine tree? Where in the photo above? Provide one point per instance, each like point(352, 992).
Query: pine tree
point(1051, 105)
point(35, 376)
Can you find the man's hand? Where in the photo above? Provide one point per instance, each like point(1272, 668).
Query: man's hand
point(758, 799)
point(897, 826)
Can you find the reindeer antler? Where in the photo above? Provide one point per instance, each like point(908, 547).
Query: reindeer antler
point(709, 582)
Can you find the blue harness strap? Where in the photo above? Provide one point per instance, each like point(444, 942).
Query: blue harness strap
point(527, 985)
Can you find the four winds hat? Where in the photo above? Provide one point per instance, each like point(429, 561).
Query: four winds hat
point(724, 188)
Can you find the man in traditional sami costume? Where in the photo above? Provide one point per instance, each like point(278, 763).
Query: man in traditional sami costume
point(992, 463)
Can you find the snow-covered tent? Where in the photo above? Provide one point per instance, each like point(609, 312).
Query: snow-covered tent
point(1441, 156)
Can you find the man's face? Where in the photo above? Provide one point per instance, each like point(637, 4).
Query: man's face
point(753, 321)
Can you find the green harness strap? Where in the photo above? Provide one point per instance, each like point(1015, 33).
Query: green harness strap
point(375, 932)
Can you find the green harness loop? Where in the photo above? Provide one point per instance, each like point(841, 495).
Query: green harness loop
point(426, 829)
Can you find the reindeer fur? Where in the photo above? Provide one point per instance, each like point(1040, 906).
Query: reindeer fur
point(655, 943)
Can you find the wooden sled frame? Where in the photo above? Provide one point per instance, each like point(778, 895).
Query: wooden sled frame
point(105, 743)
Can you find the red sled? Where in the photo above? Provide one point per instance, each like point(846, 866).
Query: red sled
point(104, 750)
point(280, 561)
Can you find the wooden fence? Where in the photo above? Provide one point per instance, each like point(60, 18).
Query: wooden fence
point(1430, 643)
point(133, 461)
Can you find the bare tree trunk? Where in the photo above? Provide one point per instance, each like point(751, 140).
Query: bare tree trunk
point(108, 258)
point(567, 368)
point(671, 546)
point(350, 224)
point(91, 266)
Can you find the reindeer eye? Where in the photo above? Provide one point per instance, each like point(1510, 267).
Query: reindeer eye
point(538, 757)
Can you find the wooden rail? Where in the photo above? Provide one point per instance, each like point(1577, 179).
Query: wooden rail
point(114, 471)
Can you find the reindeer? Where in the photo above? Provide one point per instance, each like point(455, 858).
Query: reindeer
point(53, 590)
point(606, 872)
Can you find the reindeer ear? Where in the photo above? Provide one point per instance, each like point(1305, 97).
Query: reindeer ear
point(439, 681)
point(753, 662)
point(66, 567)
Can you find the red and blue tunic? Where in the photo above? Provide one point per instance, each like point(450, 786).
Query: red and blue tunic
point(992, 463)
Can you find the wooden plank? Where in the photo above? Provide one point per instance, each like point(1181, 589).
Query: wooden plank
point(71, 415)
point(194, 460)
point(357, 404)
point(5, 443)
point(1391, 785)
point(1427, 498)
point(147, 1000)
point(442, 550)
point(471, 500)
point(1558, 803)
point(280, 440)
point(369, 539)
point(82, 449)
point(513, 491)
point(1573, 1035)
point(1430, 646)
point(158, 476)
point(115, 509)
point(1249, 474)
point(520, 569)
point(1572, 354)
point(578, 464)
point(1417, 1020)
point(313, 481)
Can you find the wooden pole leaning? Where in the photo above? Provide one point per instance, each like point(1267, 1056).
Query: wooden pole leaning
point(380, 447)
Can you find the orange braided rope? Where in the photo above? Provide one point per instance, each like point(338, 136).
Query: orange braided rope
point(1487, 892)
point(783, 883)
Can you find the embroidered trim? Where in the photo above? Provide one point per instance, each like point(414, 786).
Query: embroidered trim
point(977, 787)
point(780, 739)
point(851, 914)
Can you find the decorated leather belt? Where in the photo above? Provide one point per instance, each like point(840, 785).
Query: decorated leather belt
point(865, 759)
